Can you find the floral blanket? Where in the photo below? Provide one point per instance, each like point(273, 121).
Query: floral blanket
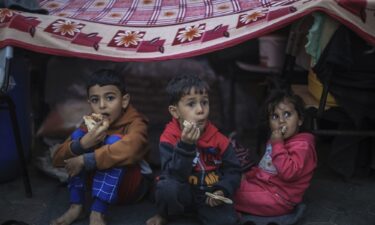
point(148, 30)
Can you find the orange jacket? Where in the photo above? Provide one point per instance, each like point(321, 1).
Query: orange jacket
point(132, 148)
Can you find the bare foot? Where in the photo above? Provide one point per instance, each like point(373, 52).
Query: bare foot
point(96, 218)
point(156, 220)
point(74, 212)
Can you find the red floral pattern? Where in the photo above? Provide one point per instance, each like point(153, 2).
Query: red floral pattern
point(65, 28)
point(119, 30)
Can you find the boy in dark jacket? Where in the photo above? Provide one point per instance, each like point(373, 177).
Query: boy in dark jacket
point(110, 154)
point(195, 159)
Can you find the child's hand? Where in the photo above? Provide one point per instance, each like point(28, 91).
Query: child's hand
point(278, 134)
point(74, 165)
point(96, 135)
point(190, 133)
point(215, 202)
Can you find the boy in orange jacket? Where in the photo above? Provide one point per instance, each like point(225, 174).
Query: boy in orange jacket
point(112, 151)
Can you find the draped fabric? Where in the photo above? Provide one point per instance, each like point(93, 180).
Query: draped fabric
point(150, 30)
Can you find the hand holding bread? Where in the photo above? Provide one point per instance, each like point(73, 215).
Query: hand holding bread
point(278, 134)
point(92, 120)
point(190, 132)
point(97, 127)
point(283, 130)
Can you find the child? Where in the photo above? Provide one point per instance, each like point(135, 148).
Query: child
point(113, 151)
point(195, 158)
point(277, 184)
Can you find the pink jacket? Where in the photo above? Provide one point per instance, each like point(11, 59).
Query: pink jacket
point(294, 161)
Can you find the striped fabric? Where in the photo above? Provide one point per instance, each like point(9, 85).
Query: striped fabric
point(133, 186)
point(149, 30)
point(145, 12)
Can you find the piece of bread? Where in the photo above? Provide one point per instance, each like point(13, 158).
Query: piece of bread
point(219, 197)
point(283, 130)
point(92, 120)
point(186, 123)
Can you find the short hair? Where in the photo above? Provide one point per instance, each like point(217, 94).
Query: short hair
point(104, 77)
point(181, 85)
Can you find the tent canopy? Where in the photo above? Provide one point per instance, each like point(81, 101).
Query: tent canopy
point(150, 30)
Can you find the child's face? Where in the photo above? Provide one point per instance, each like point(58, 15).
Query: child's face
point(193, 107)
point(285, 115)
point(108, 101)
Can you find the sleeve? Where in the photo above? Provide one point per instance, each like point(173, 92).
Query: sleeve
point(231, 172)
point(89, 161)
point(62, 153)
point(76, 147)
point(291, 162)
point(131, 149)
point(177, 162)
point(71, 147)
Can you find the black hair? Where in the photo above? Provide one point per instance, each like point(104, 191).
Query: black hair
point(104, 77)
point(279, 95)
point(181, 85)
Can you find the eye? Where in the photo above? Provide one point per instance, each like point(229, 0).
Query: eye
point(93, 100)
point(191, 104)
point(205, 102)
point(110, 98)
point(274, 117)
point(287, 114)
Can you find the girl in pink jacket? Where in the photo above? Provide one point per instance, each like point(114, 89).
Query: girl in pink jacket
point(277, 184)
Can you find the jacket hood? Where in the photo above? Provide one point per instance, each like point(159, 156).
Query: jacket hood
point(127, 117)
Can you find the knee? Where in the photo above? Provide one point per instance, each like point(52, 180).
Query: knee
point(172, 196)
point(110, 139)
point(77, 134)
point(170, 190)
point(166, 190)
